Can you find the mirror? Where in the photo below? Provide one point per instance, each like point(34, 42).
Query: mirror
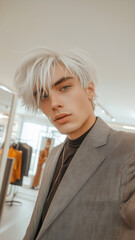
point(8, 102)
point(5, 107)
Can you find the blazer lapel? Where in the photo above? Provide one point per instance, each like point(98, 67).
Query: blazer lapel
point(46, 181)
point(87, 159)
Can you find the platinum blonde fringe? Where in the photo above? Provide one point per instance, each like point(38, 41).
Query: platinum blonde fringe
point(34, 72)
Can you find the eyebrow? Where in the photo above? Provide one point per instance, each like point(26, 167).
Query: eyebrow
point(63, 79)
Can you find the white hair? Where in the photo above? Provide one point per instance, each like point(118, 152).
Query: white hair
point(35, 69)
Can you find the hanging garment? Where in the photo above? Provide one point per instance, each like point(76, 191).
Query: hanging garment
point(0, 153)
point(26, 157)
point(16, 172)
point(42, 158)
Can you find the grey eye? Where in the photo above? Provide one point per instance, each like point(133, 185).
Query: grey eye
point(44, 95)
point(65, 87)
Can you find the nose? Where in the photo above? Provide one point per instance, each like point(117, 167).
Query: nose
point(55, 100)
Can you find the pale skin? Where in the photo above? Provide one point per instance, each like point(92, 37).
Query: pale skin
point(68, 106)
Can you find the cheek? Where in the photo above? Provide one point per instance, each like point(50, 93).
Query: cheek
point(45, 109)
point(81, 103)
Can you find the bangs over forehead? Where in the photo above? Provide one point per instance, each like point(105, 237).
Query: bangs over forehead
point(44, 82)
point(36, 69)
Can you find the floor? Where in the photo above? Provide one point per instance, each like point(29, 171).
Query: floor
point(15, 218)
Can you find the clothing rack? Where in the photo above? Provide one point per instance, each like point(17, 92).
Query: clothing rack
point(12, 201)
point(13, 191)
point(16, 181)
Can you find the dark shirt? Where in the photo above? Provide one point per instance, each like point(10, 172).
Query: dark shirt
point(64, 160)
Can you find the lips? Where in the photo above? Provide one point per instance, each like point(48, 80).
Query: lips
point(62, 115)
point(62, 118)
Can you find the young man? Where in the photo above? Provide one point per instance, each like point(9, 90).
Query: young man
point(88, 187)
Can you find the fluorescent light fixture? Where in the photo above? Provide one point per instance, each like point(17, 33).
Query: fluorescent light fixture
point(3, 115)
point(5, 88)
point(129, 127)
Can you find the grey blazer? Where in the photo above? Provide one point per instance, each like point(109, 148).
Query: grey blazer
point(96, 197)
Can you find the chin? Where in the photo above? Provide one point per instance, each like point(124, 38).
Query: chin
point(67, 130)
point(63, 131)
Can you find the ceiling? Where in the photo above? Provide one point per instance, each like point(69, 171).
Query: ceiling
point(103, 28)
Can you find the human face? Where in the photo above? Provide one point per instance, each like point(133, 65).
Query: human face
point(68, 106)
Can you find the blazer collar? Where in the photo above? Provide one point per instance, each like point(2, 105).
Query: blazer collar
point(99, 133)
point(87, 159)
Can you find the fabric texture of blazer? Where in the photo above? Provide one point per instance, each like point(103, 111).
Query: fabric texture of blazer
point(96, 197)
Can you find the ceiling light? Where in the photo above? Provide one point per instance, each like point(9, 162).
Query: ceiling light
point(129, 127)
point(105, 111)
point(3, 115)
point(5, 88)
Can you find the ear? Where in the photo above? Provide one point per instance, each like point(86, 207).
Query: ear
point(91, 91)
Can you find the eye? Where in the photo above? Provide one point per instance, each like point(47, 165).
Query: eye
point(44, 95)
point(65, 87)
